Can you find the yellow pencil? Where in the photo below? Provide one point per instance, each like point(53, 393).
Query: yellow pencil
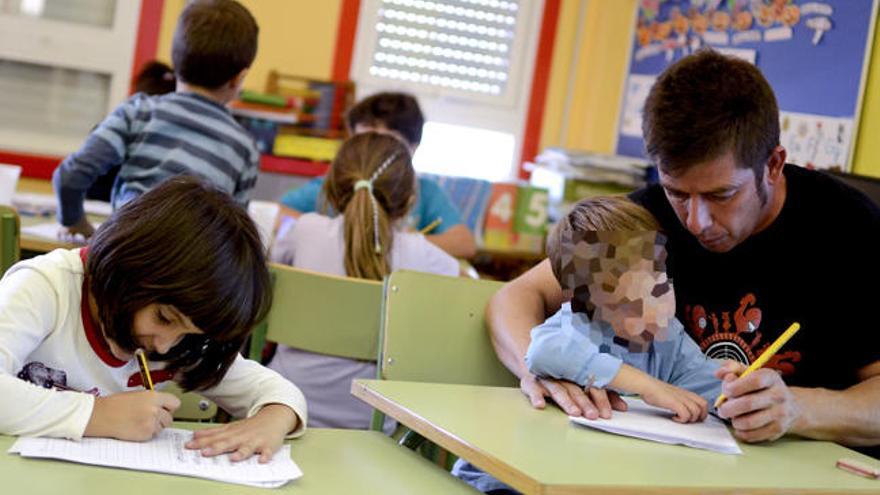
point(431, 226)
point(145, 370)
point(766, 355)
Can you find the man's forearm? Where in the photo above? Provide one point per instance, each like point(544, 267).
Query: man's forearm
point(511, 318)
point(850, 417)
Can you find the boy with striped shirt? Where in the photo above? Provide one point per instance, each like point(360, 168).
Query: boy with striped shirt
point(187, 132)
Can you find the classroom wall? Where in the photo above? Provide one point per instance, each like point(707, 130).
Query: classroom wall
point(296, 37)
point(586, 82)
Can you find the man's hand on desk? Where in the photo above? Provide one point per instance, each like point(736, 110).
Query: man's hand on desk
point(78, 232)
point(571, 398)
point(761, 406)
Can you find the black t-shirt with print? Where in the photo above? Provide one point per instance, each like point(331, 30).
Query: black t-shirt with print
point(816, 264)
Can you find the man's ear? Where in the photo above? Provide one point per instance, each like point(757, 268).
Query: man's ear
point(776, 164)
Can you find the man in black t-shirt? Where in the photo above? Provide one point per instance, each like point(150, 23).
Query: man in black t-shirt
point(754, 245)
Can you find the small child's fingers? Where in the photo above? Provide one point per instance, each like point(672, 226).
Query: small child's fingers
point(266, 454)
point(243, 452)
point(681, 410)
point(203, 437)
point(165, 418)
point(617, 403)
point(218, 447)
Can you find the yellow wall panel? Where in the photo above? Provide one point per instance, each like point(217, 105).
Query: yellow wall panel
point(296, 37)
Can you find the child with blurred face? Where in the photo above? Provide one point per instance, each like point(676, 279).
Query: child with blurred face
point(618, 327)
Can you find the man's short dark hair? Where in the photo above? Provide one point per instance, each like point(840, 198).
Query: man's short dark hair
point(213, 42)
point(705, 105)
point(399, 112)
point(191, 246)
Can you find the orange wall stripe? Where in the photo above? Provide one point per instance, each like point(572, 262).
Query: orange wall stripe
point(540, 81)
point(345, 34)
point(147, 42)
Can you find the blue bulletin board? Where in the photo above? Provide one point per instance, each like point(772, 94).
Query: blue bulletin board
point(814, 54)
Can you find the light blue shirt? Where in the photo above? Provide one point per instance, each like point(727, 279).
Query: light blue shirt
point(570, 347)
point(431, 203)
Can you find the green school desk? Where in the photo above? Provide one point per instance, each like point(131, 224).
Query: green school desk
point(332, 461)
point(540, 452)
point(38, 245)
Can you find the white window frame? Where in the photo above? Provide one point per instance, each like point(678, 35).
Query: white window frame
point(506, 112)
point(54, 43)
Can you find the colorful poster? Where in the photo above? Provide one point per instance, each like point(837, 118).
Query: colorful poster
point(813, 53)
point(815, 141)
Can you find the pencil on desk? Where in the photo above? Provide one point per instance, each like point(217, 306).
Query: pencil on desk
point(766, 355)
point(145, 370)
point(431, 226)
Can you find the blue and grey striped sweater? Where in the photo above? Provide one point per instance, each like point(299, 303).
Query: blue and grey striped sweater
point(153, 138)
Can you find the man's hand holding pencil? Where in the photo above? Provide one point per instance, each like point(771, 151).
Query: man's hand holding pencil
point(756, 400)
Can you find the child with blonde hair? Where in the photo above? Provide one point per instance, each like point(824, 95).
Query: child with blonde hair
point(372, 185)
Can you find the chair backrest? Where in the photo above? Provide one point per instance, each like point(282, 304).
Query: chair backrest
point(9, 238)
point(434, 331)
point(193, 407)
point(326, 314)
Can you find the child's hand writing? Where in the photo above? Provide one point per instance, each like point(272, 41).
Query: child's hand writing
point(133, 416)
point(260, 434)
point(687, 406)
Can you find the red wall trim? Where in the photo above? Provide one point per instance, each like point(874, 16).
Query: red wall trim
point(147, 43)
point(345, 35)
point(34, 166)
point(540, 80)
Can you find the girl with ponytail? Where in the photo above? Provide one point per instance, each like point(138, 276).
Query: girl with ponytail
point(371, 183)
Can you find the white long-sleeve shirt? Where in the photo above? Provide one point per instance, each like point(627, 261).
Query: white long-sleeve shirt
point(49, 342)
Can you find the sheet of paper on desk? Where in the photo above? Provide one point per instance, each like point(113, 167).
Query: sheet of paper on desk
point(164, 454)
point(641, 420)
point(46, 204)
point(49, 231)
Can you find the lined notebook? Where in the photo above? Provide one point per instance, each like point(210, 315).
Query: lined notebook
point(641, 420)
point(163, 454)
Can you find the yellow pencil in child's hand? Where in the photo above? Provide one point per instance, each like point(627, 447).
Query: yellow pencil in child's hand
point(145, 370)
point(766, 355)
point(431, 226)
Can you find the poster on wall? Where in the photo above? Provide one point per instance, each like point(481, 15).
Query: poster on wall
point(813, 53)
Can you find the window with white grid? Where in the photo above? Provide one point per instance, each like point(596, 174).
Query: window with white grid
point(464, 46)
point(469, 62)
point(64, 64)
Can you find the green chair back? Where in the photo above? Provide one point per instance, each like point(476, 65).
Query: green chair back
point(193, 407)
point(434, 331)
point(325, 314)
point(9, 238)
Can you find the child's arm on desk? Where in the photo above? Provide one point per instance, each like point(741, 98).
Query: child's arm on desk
point(687, 406)
point(559, 350)
point(261, 434)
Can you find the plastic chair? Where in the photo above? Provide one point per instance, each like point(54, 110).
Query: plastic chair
point(433, 330)
point(9, 238)
point(346, 309)
point(193, 407)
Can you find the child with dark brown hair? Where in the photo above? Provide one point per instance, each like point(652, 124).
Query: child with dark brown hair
point(187, 132)
point(178, 272)
point(372, 184)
